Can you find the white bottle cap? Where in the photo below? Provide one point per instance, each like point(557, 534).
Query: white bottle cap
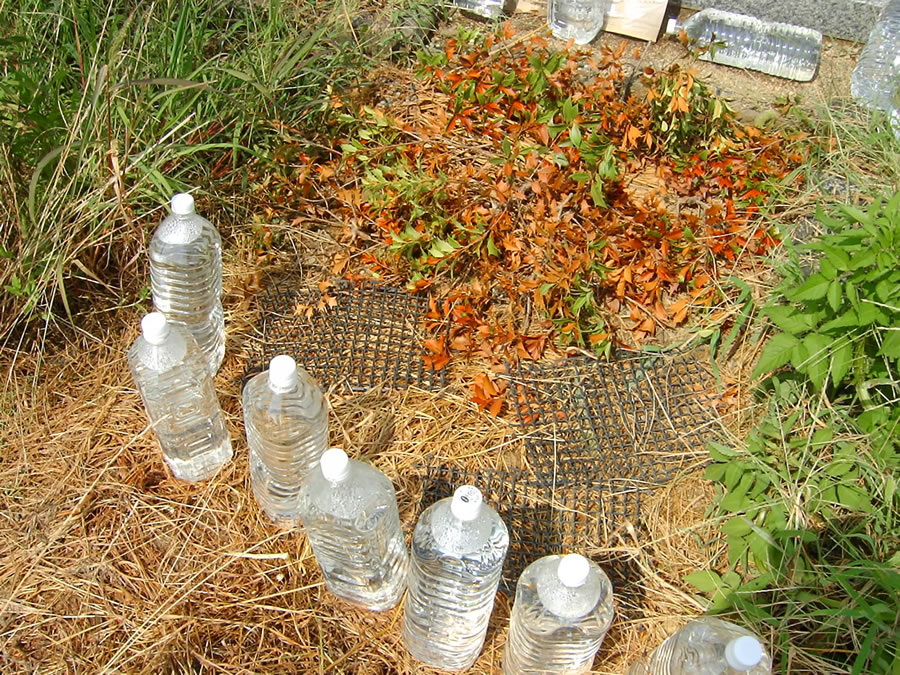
point(282, 372)
point(335, 465)
point(672, 26)
point(573, 570)
point(466, 504)
point(743, 653)
point(182, 204)
point(155, 328)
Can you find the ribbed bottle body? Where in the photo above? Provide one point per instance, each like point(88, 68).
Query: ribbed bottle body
point(454, 573)
point(777, 49)
point(699, 649)
point(355, 533)
point(287, 432)
point(489, 9)
point(876, 78)
point(578, 20)
point(555, 629)
point(180, 400)
point(186, 281)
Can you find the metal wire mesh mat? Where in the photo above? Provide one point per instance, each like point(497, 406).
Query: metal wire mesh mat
point(350, 337)
point(635, 421)
point(541, 520)
point(597, 434)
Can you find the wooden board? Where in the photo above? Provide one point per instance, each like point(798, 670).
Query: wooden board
point(639, 19)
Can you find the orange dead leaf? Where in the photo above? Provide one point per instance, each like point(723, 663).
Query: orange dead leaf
point(461, 343)
point(340, 264)
point(433, 311)
point(304, 311)
point(679, 310)
point(660, 312)
point(532, 346)
point(486, 394)
point(436, 362)
point(435, 346)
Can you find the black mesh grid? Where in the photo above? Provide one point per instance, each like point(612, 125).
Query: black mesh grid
point(597, 433)
point(631, 422)
point(349, 337)
point(541, 519)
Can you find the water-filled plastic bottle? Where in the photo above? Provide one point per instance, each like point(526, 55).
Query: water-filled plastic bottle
point(489, 9)
point(186, 277)
point(563, 608)
point(742, 41)
point(349, 511)
point(180, 399)
point(876, 77)
point(458, 549)
point(578, 20)
point(707, 646)
point(286, 419)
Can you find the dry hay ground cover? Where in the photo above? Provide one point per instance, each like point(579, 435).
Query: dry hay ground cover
point(109, 565)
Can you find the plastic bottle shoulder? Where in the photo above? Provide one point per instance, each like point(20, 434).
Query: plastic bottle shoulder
point(163, 357)
point(566, 602)
point(305, 395)
point(455, 537)
point(693, 641)
point(178, 230)
point(364, 490)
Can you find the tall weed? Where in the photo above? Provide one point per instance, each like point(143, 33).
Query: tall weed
point(108, 108)
point(809, 503)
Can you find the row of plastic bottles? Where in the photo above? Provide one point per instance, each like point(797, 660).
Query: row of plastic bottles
point(732, 39)
point(727, 38)
point(578, 20)
point(563, 606)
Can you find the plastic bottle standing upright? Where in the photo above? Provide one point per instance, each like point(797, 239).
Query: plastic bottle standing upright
point(180, 399)
point(578, 20)
point(489, 9)
point(875, 82)
point(286, 420)
point(779, 49)
point(707, 646)
point(563, 608)
point(458, 549)
point(349, 511)
point(186, 277)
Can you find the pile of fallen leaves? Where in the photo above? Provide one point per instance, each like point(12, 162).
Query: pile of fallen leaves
point(541, 202)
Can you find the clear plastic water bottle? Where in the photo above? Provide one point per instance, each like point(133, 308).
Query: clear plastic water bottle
point(742, 41)
point(563, 608)
point(578, 20)
point(349, 511)
point(707, 646)
point(286, 420)
point(180, 399)
point(877, 74)
point(489, 9)
point(458, 549)
point(186, 277)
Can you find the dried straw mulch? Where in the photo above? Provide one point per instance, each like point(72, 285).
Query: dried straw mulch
point(111, 565)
